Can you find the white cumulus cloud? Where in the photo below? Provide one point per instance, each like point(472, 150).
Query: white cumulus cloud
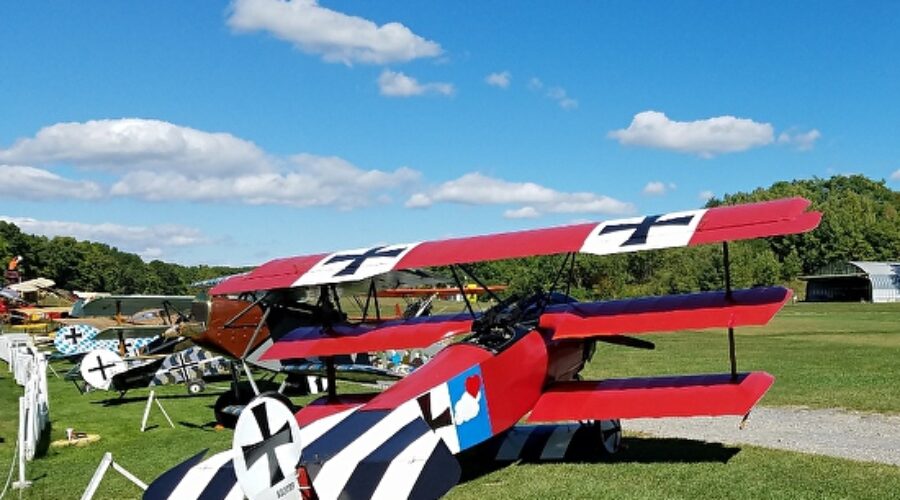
point(559, 95)
point(478, 189)
point(29, 183)
point(802, 141)
point(134, 143)
point(706, 138)
point(896, 175)
point(148, 241)
point(335, 36)
point(706, 195)
point(306, 180)
point(657, 188)
point(397, 84)
point(155, 160)
point(556, 93)
point(501, 79)
point(521, 213)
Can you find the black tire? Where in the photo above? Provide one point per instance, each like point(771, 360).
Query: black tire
point(244, 398)
point(196, 387)
point(229, 398)
point(282, 398)
point(610, 435)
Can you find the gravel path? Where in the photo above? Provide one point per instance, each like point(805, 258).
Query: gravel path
point(838, 433)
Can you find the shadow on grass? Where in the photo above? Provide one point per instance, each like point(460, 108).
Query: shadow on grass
point(209, 426)
point(643, 450)
point(648, 450)
point(43, 443)
point(143, 399)
point(38, 478)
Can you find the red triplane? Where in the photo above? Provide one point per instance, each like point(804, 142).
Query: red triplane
point(518, 361)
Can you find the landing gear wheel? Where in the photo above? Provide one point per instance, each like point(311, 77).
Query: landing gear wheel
point(230, 401)
point(611, 435)
point(282, 399)
point(196, 387)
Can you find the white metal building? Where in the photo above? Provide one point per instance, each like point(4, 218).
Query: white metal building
point(855, 282)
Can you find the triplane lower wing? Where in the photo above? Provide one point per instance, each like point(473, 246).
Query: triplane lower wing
point(520, 359)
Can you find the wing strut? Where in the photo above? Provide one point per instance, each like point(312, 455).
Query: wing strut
point(365, 314)
point(262, 321)
point(244, 311)
point(482, 285)
point(462, 290)
point(728, 296)
point(331, 376)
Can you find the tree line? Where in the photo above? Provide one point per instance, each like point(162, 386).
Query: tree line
point(90, 266)
point(860, 222)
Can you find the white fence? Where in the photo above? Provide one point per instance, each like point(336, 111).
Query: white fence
point(30, 371)
point(9, 342)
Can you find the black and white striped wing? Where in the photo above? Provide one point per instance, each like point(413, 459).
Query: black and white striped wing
point(213, 478)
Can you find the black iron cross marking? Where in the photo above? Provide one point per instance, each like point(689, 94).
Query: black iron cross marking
point(435, 422)
point(268, 445)
point(182, 363)
point(642, 229)
point(357, 260)
point(73, 336)
point(101, 367)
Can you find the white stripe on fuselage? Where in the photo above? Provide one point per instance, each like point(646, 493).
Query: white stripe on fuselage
point(558, 442)
point(404, 471)
point(198, 477)
point(513, 443)
point(333, 477)
point(314, 430)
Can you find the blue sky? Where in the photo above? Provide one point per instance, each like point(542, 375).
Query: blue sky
point(232, 133)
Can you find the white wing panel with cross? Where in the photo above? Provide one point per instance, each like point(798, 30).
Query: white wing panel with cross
point(354, 265)
point(643, 233)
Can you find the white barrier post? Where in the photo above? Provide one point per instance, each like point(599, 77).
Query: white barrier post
point(29, 368)
point(21, 483)
point(101, 471)
point(97, 477)
point(150, 400)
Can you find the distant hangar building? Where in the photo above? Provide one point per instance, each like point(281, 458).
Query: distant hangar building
point(855, 282)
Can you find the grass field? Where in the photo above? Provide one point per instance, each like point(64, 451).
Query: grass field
point(822, 355)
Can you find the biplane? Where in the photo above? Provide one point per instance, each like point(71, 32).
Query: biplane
point(120, 323)
point(242, 328)
point(33, 306)
point(122, 342)
point(190, 365)
point(518, 361)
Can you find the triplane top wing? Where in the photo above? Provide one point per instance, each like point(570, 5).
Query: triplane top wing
point(676, 229)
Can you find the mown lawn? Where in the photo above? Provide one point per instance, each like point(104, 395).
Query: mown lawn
point(822, 355)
